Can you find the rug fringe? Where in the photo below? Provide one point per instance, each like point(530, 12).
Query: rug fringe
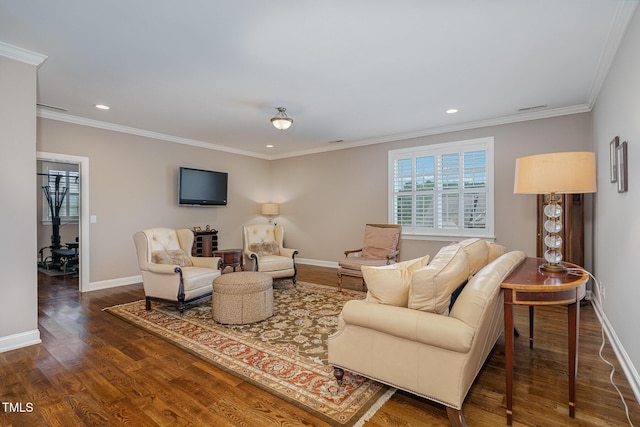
point(375, 407)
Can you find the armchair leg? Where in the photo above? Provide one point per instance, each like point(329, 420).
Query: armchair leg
point(147, 303)
point(456, 418)
point(339, 282)
point(338, 373)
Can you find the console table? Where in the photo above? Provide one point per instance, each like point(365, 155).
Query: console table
point(531, 286)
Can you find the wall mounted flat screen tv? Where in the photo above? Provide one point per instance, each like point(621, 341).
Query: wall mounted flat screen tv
point(197, 187)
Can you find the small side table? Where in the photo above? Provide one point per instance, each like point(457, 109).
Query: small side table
point(230, 258)
point(529, 285)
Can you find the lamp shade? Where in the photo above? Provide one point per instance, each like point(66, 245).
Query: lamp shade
point(270, 209)
point(564, 173)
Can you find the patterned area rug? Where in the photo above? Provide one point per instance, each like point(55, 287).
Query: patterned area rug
point(285, 354)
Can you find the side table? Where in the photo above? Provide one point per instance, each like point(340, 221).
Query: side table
point(529, 285)
point(230, 258)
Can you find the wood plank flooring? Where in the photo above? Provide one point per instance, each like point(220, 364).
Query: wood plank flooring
point(94, 369)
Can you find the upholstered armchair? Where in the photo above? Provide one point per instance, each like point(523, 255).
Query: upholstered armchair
point(381, 246)
point(263, 244)
point(169, 272)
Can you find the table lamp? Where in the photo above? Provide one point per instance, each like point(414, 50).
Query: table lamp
point(553, 174)
point(270, 210)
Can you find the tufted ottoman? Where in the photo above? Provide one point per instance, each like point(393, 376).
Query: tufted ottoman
point(242, 297)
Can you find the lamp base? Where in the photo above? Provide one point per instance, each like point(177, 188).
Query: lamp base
point(554, 268)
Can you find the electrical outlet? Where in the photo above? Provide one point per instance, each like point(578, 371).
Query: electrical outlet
point(602, 290)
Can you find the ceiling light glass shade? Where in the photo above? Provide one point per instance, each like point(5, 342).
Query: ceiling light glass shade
point(280, 121)
point(555, 173)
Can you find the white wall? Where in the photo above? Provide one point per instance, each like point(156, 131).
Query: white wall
point(19, 286)
point(134, 185)
point(327, 198)
point(617, 215)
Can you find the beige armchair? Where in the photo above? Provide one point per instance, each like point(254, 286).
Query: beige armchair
point(169, 272)
point(263, 244)
point(381, 247)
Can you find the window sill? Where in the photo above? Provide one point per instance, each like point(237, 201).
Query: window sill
point(73, 221)
point(446, 238)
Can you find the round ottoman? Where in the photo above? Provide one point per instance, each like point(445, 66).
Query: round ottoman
point(242, 297)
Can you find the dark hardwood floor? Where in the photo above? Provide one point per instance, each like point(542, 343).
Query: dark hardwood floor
point(94, 369)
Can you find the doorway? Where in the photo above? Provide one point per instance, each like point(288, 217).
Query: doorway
point(82, 164)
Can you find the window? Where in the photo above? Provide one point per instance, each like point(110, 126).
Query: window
point(69, 186)
point(443, 190)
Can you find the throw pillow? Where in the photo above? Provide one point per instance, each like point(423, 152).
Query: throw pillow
point(379, 242)
point(172, 257)
point(265, 248)
point(389, 284)
point(431, 286)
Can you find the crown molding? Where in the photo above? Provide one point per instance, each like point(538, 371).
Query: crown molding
point(533, 115)
point(68, 118)
point(616, 33)
point(22, 55)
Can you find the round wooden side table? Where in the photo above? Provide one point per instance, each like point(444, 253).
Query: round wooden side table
point(230, 258)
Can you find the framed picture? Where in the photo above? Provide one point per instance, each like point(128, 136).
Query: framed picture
point(621, 160)
point(613, 158)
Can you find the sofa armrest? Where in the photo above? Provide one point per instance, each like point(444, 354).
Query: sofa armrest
point(207, 262)
point(414, 325)
point(288, 252)
point(162, 268)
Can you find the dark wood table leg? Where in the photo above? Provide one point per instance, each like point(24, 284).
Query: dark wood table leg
point(574, 321)
point(531, 327)
point(508, 350)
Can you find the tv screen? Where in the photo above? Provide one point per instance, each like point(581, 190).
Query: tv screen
point(202, 187)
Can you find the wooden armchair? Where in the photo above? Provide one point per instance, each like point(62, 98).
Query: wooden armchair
point(381, 246)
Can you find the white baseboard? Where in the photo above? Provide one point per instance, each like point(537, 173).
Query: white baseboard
point(112, 283)
point(132, 280)
point(627, 365)
point(317, 262)
point(23, 339)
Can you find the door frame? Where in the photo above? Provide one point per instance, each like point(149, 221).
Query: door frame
point(83, 220)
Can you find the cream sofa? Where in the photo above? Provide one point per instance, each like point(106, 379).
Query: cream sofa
point(425, 349)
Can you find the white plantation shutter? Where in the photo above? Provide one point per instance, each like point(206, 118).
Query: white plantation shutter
point(69, 211)
point(443, 190)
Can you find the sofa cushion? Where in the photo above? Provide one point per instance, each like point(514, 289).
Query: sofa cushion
point(379, 242)
point(172, 257)
point(477, 251)
point(268, 247)
point(389, 284)
point(431, 286)
point(495, 251)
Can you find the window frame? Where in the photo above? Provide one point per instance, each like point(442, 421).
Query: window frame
point(435, 150)
point(49, 169)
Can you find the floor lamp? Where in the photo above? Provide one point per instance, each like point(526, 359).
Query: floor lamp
point(554, 174)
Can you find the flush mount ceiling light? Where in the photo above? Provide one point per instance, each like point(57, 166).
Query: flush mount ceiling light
point(102, 107)
point(280, 121)
point(451, 111)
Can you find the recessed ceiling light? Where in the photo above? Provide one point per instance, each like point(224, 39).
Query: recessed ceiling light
point(270, 146)
point(452, 111)
point(102, 107)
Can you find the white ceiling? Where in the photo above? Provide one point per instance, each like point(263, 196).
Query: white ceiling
point(211, 73)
